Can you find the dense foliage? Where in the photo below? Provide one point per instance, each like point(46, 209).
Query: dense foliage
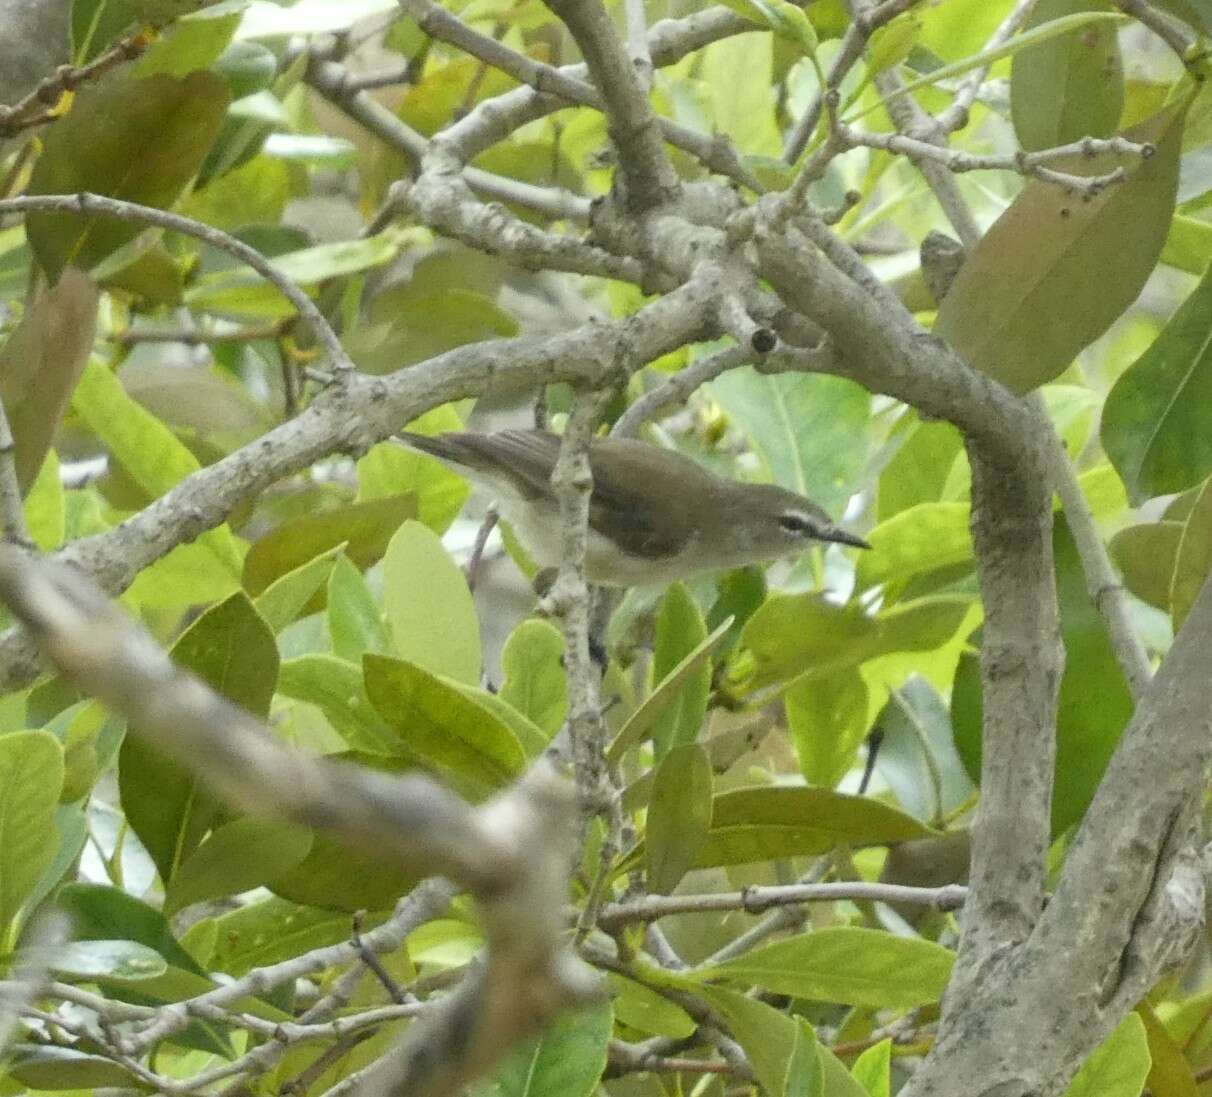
point(815, 722)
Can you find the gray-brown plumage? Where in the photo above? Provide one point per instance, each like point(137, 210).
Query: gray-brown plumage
point(654, 515)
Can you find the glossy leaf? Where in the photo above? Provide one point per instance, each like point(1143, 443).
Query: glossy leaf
point(1118, 1067)
point(335, 686)
point(1145, 555)
point(1094, 703)
point(58, 1068)
point(827, 718)
point(1170, 1071)
point(917, 756)
point(1023, 303)
point(232, 649)
point(235, 857)
point(147, 450)
point(794, 634)
point(810, 429)
point(679, 815)
point(535, 683)
point(923, 538)
point(104, 913)
point(1156, 425)
point(245, 292)
point(389, 468)
point(31, 776)
point(1194, 560)
point(429, 608)
point(1071, 86)
point(269, 930)
point(680, 630)
point(163, 124)
point(567, 1060)
point(768, 1036)
point(641, 721)
point(363, 528)
point(355, 621)
point(872, 1069)
point(338, 876)
point(41, 363)
point(441, 726)
point(640, 1007)
point(284, 599)
point(126, 960)
point(863, 967)
point(921, 467)
point(772, 821)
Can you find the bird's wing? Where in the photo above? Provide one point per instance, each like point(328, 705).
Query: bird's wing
point(529, 455)
point(639, 519)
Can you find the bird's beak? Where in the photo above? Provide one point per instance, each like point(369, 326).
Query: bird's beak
point(843, 537)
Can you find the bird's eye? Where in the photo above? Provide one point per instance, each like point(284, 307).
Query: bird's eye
point(794, 523)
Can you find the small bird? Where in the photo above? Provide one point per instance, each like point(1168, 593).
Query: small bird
point(655, 516)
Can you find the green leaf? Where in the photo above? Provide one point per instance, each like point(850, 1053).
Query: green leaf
point(641, 1007)
point(235, 857)
point(642, 720)
point(679, 815)
point(1188, 245)
point(535, 683)
point(811, 430)
point(1065, 25)
point(797, 633)
point(767, 1036)
point(534, 739)
point(1118, 1067)
point(355, 622)
point(737, 74)
point(680, 630)
point(1094, 702)
point(194, 42)
point(1071, 86)
point(147, 450)
point(284, 599)
point(244, 292)
point(1170, 1071)
point(861, 967)
point(1023, 304)
point(805, 1075)
point(31, 776)
point(828, 721)
point(1156, 422)
point(364, 530)
point(41, 363)
point(429, 608)
point(922, 466)
point(918, 540)
point(873, 1069)
point(440, 725)
point(103, 913)
point(59, 1068)
point(337, 876)
point(767, 822)
point(271, 930)
point(567, 1060)
point(1145, 555)
point(232, 649)
point(44, 505)
point(336, 687)
point(389, 467)
point(1194, 559)
point(126, 960)
point(138, 140)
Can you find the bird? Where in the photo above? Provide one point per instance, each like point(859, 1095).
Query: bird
point(655, 516)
